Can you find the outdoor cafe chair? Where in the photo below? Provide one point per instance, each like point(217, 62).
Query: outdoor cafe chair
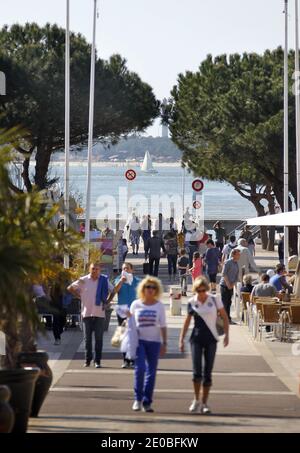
point(245, 297)
point(270, 317)
point(269, 314)
point(294, 313)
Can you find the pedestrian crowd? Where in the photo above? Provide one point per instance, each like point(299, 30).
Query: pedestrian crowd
point(141, 313)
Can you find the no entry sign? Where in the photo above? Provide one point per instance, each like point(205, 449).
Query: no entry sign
point(197, 185)
point(130, 174)
point(196, 205)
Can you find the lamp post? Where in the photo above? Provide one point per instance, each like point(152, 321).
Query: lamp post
point(286, 136)
point(67, 129)
point(90, 139)
point(183, 191)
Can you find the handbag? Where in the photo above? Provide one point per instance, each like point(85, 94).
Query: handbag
point(146, 268)
point(220, 321)
point(118, 335)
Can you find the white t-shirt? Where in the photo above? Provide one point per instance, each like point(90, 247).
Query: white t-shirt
point(87, 288)
point(208, 311)
point(149, 320)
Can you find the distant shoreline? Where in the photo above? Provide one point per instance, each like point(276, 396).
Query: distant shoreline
point(83, 163)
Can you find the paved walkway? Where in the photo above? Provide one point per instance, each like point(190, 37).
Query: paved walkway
point(254, 390)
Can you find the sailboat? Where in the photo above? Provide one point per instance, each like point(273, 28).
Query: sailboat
point(147, 166)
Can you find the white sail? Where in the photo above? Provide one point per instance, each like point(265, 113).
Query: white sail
point(147, 165)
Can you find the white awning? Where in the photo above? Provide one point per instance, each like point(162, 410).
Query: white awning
point(291, 218)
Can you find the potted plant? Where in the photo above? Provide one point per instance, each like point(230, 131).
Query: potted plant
point(29, 249)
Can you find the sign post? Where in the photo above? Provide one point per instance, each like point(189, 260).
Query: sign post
point(130, 175)
point(198, 204)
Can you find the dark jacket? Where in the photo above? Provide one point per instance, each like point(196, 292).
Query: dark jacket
point(153, 247)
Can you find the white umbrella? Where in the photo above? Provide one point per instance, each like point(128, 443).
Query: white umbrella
point(286, 219)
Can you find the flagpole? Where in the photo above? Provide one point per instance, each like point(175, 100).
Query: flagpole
point(67, 129)
point(90, 139)
point(183, 192)
point(297, 100)
point(286, 137)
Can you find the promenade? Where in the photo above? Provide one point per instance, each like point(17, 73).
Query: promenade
point(255, 387)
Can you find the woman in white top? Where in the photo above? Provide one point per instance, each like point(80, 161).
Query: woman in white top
point(150, 319)
point(204, 308)
point(135, 235)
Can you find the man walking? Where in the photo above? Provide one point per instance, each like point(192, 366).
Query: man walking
point(246, 262)
point(171, 246)
point(153, 248)
point(212, 260)
point(230, 276)
point(220, 235)
point(126, 288)
point(93, 290)
point(227, 249)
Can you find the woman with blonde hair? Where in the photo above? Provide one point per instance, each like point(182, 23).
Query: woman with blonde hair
point(204, 308)
point(150, 318)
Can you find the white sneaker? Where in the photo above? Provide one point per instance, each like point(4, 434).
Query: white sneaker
point(195, 406)
point(137, 406)
point(205, 410)
point(57, 342)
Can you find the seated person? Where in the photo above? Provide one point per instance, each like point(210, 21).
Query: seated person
point(279, 280)
point(247, 284)
point(264, 288)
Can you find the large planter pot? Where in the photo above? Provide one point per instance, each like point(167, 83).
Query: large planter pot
point(7, 416)
point(38, 359)
point(21, 383)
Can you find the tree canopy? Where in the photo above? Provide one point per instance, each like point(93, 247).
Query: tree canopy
point(33, 59)
point(227, 118)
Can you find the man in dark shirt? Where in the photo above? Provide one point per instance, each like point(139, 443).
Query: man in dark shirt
point(183, 266)
point(230, 276)
point(152, 250)
point(212, 259)
point(220, 235)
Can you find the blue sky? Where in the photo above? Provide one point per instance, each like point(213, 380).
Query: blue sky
point(161, 38)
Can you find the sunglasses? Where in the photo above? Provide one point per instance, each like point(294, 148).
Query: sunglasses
point(198, 290)
point(150, 287)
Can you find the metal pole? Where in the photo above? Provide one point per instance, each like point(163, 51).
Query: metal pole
point(90, 140)
point(183, 192)
point(286, 136)
point(67, 129)
point(297, 99)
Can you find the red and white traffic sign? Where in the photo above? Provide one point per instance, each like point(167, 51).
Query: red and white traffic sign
point(130, 174)
point(197, 185)
point(196, 205)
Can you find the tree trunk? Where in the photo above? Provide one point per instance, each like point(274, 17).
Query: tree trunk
point(271, 240)
point(25, 174)
point(42, 159)
point(293, 241)
point(263, 229)
point(264, 237)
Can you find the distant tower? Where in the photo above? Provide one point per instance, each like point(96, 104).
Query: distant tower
point(164, 131)
point(164, 119)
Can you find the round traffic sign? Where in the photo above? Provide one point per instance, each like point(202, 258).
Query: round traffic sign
point(130, 174)
point(197, 204)
point(197, 185)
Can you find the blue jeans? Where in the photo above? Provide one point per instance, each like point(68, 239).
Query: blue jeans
point(96, 325)
point(207, 351)
point(146, 362)
point(172, 264)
